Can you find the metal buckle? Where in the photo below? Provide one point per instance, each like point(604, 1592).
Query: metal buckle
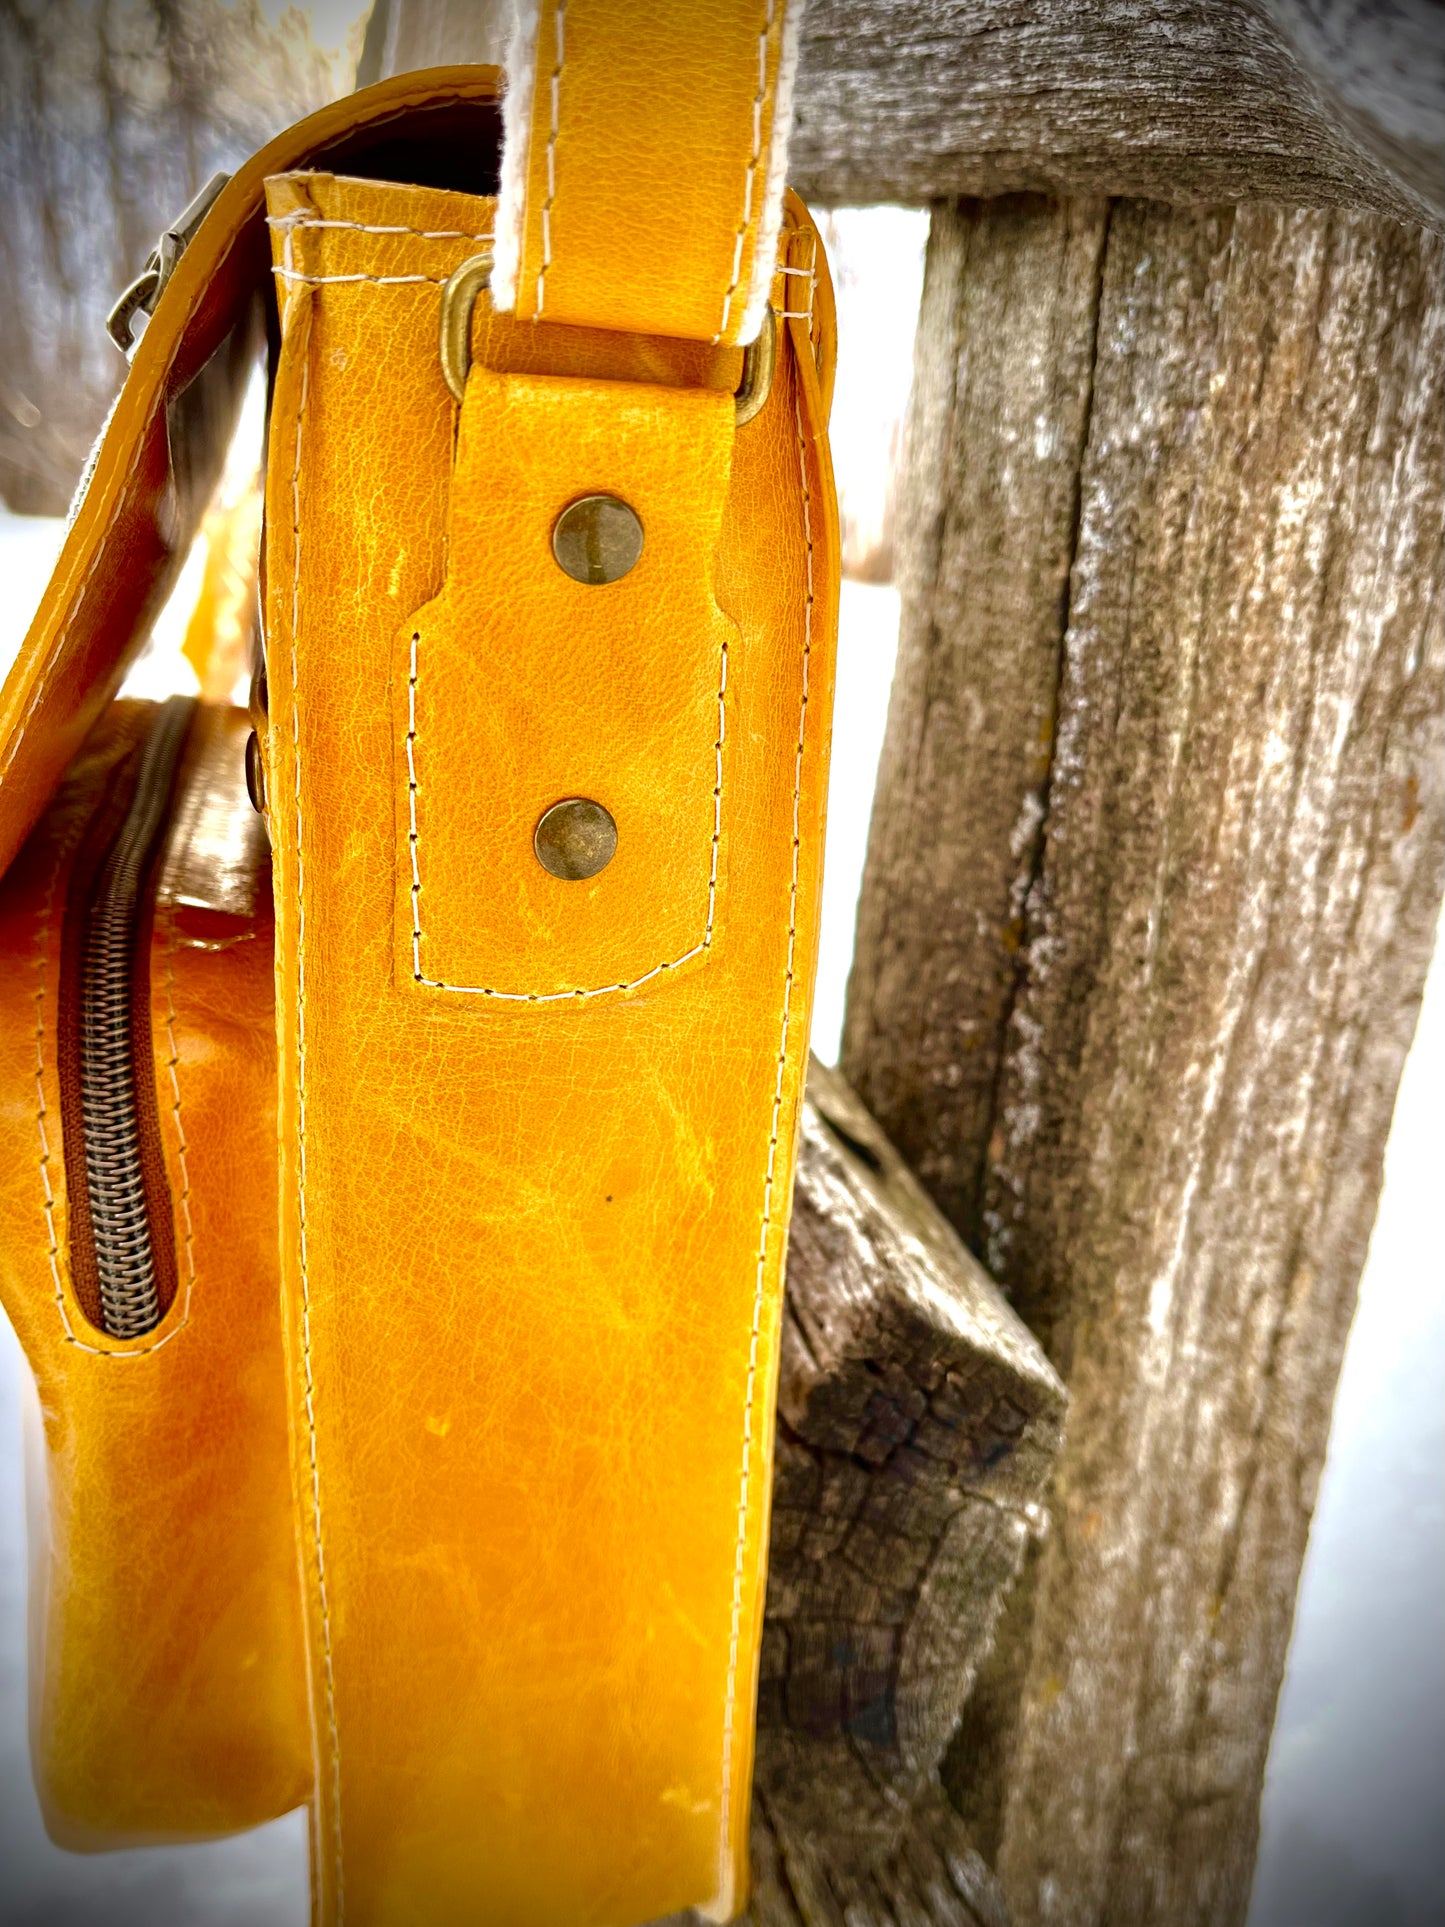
point(150, 284)
point(459, 298)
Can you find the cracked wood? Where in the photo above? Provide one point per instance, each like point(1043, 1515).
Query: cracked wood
point(1152, 886)
point(918, 1421)
point(1308, 101)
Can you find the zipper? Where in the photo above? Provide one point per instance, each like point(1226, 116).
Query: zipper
point(122, 1253)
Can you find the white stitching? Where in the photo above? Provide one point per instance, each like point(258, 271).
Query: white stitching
point(171, 1065)
point(547, 205)
point(435, 280)
point(384, 280)
point(808, 274)
point(42, 965)
point(556, 996)
point(301, 219)
point(758, 99)
point(735, 1632)
point(308, 1377)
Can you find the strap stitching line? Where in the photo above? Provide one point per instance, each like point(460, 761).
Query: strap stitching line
point(555, 996)
point(436, 280)
point(735, 1632)
point(172, 1064)
point(300, 219)
point(547, 205)
point(758, 100)
point(308, 1375)
point(385, 280)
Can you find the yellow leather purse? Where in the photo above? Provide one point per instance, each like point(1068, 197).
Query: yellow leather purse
point(454, 1244)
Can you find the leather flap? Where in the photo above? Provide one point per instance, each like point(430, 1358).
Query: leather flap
point(129, 531)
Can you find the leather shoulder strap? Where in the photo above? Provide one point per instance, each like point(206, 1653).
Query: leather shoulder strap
point(619, 110)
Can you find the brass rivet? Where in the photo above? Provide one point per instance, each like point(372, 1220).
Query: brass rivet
point(575, 839)
point(597, 539)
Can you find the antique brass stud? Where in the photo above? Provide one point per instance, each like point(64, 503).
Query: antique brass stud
point(575, 839)
point(597, 539)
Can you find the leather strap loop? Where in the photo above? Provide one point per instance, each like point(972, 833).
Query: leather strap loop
point(617, 107)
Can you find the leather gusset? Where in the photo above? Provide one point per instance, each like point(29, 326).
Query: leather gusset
point(532, 1252)
point(167, 1687)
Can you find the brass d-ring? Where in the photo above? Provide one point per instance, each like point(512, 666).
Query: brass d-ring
point(760, 357)
point(459, 299)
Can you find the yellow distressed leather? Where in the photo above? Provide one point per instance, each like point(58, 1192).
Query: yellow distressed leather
point(532, 1246)
point(620, 694)
point(531, 1252)
point(645, 140)
point(167, 1689)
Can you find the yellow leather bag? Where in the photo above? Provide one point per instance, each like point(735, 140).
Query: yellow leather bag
point(408, 1419)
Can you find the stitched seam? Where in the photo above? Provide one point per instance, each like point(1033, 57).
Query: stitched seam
point(808, 274)
point(127, 496)
point(436, 280)
point(172, 1065)
point(303, 220)
point(42, 1111)
point(384, 280)
point(308, 1375)
point(735, 1633)
point(555, 996)
point(750, 177)
point(548, 204)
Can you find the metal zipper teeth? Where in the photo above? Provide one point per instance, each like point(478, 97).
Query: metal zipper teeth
point(114, 1171)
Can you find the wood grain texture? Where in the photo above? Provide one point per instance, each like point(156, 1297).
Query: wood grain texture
point(111, 117)
point(1002, 381)
point(402, 35)
point(1176, 100)
point(114, 114)
point(918, 1423)
point(1143, 1038)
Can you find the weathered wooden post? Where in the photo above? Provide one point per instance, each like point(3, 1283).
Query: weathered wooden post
point(1152, 887)
point(1156, 855)
point(111, 118)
